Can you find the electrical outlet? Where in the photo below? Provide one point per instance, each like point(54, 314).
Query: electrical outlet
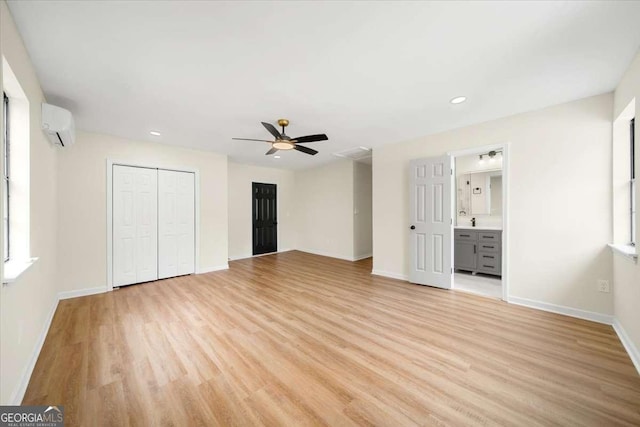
point(603, 286)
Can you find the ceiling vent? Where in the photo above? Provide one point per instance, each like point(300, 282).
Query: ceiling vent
point(357, 154)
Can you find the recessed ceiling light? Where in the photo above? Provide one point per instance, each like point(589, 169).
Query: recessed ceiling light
point(155, 133)
point(458, 100)
point(276, 157)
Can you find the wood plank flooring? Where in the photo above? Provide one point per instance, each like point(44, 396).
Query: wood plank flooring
point(299, 339)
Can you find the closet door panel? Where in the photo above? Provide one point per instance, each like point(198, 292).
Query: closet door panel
point(147, 225)
point(186, 222)
point(134, 219)
point(167, 224)
point(176, 223)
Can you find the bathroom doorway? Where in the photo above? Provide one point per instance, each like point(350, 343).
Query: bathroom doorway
point(479, 221)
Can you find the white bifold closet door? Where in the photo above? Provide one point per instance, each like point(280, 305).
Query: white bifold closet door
point(135, 225)
point(176, 223)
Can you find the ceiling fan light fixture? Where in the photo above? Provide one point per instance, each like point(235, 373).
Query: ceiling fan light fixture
point(283, 145)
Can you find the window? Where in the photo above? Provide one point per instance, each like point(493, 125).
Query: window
point(5, 155)
point(632, 186)
point(15, 203)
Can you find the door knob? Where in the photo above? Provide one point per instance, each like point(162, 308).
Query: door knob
point(413, 227)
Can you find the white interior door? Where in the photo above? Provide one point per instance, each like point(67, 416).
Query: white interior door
point(135, 230)
point(431, 224)
point(176, 223)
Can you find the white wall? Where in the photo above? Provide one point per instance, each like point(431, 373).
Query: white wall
point(26, 304)
point(362, 226)
point(560, 174)
point(82, 203)
point(324, 210)
point(496, 195)
point(240, 196)
point(626, 273)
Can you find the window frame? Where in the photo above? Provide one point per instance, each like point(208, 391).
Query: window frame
point(632, 182)
point(6, 177)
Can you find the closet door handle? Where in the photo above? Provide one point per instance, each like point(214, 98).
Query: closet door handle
point(474, 249)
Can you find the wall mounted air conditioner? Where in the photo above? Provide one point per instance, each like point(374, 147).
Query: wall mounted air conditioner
point(58, 124)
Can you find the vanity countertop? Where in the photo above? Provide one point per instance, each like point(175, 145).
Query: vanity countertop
point(468, 227)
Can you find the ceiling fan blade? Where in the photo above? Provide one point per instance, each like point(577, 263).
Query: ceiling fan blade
point(248, 139)
point(306, 150)
point(273, 150)
point(272, 130)
point(311, 138)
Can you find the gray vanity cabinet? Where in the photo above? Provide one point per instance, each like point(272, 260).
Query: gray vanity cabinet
point(465, 243)
point(478, 251)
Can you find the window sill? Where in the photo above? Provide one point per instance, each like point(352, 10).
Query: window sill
point(625, 250)
point(15, 268)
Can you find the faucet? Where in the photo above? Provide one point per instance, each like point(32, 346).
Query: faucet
point(473, 222)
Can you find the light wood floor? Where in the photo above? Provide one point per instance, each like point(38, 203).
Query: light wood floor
point(298, 339)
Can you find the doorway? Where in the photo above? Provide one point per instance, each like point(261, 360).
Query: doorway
point(265, 218)
point(458, 226)
point(479, 219)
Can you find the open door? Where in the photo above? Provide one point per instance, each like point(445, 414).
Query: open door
point(431, 222)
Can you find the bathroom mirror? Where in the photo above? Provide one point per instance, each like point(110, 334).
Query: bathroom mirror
point(479, 193)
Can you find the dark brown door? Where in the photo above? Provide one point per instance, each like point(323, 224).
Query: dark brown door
point(265, 218)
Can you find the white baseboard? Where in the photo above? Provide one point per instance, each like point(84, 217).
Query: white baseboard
point(212, 269)
point(390, 275)
point(607, 319)
point(81, 293)
point(631, 348)
point(360, 257)
point(18, 393)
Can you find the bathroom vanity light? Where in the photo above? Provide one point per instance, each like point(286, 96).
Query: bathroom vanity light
point(491, 154)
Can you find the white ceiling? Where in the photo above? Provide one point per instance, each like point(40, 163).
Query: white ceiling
point(364, 73)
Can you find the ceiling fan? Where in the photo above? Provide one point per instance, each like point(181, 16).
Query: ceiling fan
point(283, 142)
